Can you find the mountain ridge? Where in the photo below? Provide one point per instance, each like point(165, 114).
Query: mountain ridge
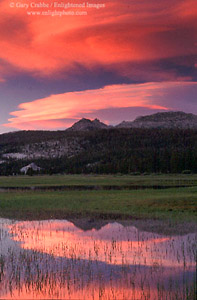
point(170, 119)
point(87, 125)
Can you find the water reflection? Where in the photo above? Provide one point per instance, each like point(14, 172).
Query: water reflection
point(56, 260)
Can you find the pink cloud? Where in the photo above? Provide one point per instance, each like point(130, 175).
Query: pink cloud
point(58, 111)
point(120, 33)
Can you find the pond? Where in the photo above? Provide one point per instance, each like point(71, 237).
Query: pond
point(58, 259)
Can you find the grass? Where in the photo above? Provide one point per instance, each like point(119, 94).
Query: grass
point(173, 203)
point(56, 180)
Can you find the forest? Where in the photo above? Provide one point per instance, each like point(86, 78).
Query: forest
point(126, 151)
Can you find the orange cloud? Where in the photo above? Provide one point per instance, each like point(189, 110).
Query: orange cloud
point(121, 32)
point(58, 110)
point(187, 9)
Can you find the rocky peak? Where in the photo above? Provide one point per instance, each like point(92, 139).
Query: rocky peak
point(171, 119)
point(87, 125)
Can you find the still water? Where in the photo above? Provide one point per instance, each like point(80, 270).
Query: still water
point(55, 259)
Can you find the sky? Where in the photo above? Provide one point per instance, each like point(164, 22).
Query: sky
point(114, 61)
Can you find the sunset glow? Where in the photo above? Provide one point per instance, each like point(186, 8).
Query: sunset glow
point(132, 42)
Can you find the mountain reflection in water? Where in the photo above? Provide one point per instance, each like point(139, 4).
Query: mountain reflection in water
point(54, 259)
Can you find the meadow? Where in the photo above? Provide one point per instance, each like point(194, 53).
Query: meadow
point(139, 197)
point(101, 180)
